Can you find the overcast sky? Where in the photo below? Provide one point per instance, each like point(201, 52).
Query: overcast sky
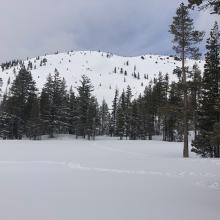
point(34, 27)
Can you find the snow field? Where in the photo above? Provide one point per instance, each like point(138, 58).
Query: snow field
point(106, 179)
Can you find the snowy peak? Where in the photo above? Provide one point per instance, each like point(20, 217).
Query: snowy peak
point(106, 71)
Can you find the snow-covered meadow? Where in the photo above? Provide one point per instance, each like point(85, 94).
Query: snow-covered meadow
point(106, 179)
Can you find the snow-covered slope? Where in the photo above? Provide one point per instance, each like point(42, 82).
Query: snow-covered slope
point(100, 68)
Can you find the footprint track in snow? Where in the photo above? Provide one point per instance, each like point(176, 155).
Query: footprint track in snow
point(210, 181)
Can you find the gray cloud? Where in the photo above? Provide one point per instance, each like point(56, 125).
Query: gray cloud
point(31, 28)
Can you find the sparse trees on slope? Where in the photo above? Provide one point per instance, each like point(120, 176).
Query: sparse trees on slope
point(213, 4)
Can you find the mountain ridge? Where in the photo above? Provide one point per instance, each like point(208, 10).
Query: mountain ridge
point(107, 71)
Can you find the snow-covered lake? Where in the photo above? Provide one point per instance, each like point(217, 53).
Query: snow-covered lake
point(106, 180)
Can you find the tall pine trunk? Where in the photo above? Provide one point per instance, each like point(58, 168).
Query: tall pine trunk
point(185, 109)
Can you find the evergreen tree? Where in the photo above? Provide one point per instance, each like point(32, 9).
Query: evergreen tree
point(172, 124)
point(141, 117)
point(128, 111)
point(20, 102)
point(121, 116)
point(84, 91)
point(73, 110)
point(185, 39)
point(45, 107)
point(114, 114)
point(104, 118)
point(93, 120)
point(33, 127)
point(206, 142)
point(195, 89)
point(62, 105)
point(149, 108)
point(160, 93)
point(133, 123)
point(54, 106)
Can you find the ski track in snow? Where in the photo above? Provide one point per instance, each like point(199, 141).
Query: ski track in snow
point(210, 182)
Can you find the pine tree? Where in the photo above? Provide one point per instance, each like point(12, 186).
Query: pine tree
point(172, 124)
point(33, 127)
point(93, 120)
point(206, 143)
point(20, 102)
point(139, 118)
point(160, 93)
point(149, 107)
point(133, 123)
point(104, 118)
point(195, 89)
point(114, 114)
point(128, 111)
point(121, 117)
point(54, 106)
point(73, 110)
point(84, 91)
point(45, 107)
point(185, 39)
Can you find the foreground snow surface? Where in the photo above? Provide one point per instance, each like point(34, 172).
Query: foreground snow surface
point(105, 180)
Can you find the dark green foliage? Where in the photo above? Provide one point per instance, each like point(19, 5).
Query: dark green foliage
point(113, 120)
point(195, 93)
point(172, 115)
point(33, 125)
point(73, 109)
point(206, 142)
point(185, 39)
point(121, 116)
point(149, 106)
point(19, 103)
point(104, 116)
point(93, 120)
point(84, 91)
point(128, 111)
point(54, 109)
point(134, 122)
